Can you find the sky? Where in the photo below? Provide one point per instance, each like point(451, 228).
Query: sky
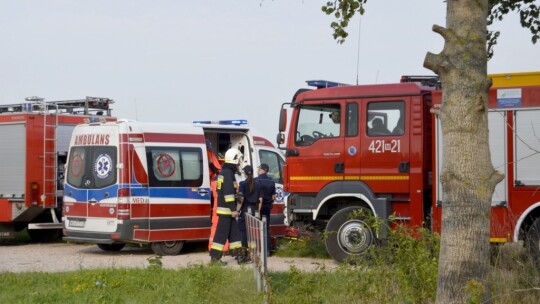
point(180, 61)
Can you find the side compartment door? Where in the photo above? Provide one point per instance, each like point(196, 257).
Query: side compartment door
point(179, 191)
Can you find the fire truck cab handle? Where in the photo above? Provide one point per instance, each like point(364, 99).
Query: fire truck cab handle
point(404, 167)
point(339, 167)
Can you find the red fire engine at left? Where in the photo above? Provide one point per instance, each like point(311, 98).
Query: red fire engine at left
point(35, 139)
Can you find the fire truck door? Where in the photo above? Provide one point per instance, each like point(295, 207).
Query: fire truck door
point(319, 143)
point(384, 145)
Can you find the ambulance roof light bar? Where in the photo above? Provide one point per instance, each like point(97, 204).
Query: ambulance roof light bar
point(231, 122)
point(321, 84)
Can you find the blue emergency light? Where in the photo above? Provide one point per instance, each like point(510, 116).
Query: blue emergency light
point(321, 84)
point(232, 122)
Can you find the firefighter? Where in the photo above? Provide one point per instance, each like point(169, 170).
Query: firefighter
point(249, 195)
point(227, 228)
point(268, 193)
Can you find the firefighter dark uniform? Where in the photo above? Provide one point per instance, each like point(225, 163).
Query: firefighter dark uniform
point(249, 199)
point(227, 228)
point(268, 193)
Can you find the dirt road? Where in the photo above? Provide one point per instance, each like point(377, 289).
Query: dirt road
point(60, 257)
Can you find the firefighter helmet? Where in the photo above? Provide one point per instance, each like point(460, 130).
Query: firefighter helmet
point(233, 156)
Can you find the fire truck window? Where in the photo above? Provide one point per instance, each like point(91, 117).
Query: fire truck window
point(527, 128)
point(386, 118)
point(317, 123)
point(174, 167)
point(352, 119)
point(275, 163)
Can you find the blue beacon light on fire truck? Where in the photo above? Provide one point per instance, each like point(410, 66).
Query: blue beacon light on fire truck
point(321, 84)
point(231, 122)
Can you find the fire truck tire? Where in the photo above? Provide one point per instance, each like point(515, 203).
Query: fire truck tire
point(111, 247)
point(348, 235)
point(167, 248)
point(45, 235)
point(533, 242)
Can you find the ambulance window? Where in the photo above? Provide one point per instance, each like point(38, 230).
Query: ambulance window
point(104, 166)
point(275, 163)
point(174, 167)
point(92, 167)
point(317, 122)
point(76, 167)
point(385, 118)
point(352, 119)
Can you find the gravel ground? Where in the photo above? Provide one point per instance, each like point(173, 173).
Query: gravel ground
point(62, 257)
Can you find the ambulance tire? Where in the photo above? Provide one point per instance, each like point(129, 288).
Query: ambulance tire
point(348, 236)
point(533, 243)
point(111, 247)
point(167, 248)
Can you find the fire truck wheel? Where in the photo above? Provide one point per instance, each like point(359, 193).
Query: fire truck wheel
point(111, 247)
point(167, 248)
point(533, 243)
point(348, 234)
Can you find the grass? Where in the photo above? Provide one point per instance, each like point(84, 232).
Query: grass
point(403, 271)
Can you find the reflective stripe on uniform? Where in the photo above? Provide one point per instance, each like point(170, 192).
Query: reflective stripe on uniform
point(230, 198)
point(235, 245)
point(217, 246)
point(224, 211)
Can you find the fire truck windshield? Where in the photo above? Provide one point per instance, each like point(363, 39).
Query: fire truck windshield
point(317, 122)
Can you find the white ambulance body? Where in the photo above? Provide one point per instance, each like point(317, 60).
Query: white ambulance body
point(149, 183)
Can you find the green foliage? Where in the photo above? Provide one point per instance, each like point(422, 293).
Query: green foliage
point(529, 16)
point(404, 270)
point(155, 262)
point(311, 246)
point(343, 11)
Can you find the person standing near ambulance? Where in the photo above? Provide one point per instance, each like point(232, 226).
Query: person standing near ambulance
point(249, 196)
point(227, 228)
point(268, 193)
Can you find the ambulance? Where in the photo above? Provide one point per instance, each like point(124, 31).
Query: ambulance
point(149, 183)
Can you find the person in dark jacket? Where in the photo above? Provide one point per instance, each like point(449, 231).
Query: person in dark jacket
point(249, 196)
point(227, 228)
point(268, 193)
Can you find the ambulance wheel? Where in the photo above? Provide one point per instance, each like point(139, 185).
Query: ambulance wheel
point(533, 243)
point(111, 247)
point(348, 235)
point(167, 248)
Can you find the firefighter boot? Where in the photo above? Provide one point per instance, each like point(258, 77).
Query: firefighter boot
point(217, 262)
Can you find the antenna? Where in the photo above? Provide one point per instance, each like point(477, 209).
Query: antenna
point(358, 51)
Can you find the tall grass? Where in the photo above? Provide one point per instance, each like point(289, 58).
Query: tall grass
point(404, 270)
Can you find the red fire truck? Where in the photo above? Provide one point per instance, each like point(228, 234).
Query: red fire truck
point(35, 138)
point(378, 148)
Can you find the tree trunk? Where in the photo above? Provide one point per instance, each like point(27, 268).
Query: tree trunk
point(468, 177)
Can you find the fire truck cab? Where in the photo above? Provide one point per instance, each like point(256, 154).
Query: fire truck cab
point(376, 157)
point(149, 183)
point(383, 154)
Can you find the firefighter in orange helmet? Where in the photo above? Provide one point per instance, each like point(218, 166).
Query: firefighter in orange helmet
point(227, 228)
